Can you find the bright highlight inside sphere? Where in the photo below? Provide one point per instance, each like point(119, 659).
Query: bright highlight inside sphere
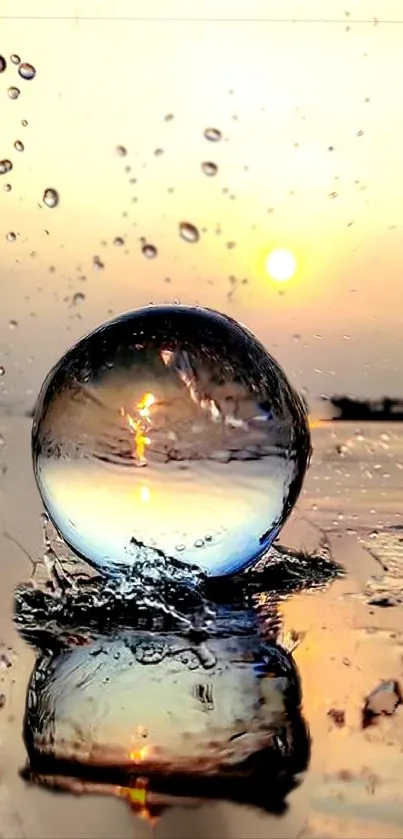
point(169, 428)
point(281, 265)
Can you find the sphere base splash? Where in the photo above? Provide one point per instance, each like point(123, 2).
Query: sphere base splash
point(170, 429)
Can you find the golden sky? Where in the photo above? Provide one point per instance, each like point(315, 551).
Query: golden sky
point(310, 112)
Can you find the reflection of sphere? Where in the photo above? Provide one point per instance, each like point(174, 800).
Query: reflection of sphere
point(155, 704)
point(170, 427)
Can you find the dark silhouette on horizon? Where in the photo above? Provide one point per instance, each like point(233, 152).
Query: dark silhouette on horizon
point(367, 410)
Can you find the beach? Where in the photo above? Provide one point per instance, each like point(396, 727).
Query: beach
point(347, 639)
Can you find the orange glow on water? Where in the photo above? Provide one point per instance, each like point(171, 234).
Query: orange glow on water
point(139, 426)
point(137, 797)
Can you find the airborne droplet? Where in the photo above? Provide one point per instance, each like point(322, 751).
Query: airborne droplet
point(7, 187)
point(13, 92)
point(11, 237)
point(209, 168)
point(118, 241)
point(5, 166)
point(3, 64)
point(18, 145)
point(15, 59)
point(97, 263)
point(27, 71)
point(24, 123)
point(189, 232)
point(121, 151)
point(51, 197)
point(149, 251)
point(212, 134)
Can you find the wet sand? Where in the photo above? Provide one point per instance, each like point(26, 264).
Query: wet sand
point(347, 643)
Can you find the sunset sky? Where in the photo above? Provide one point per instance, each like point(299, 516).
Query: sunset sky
point(310, 113)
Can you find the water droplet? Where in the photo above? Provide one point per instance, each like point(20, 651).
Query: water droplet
point(24, 123)
point(209, 168)
point(6, 187)
point(189, 232)
point(212, 134)
point(5, 166)
point(2, 370)
point(18, 145)
point(13, 92)
point(151, 392)
point(158, 152)
point(168, 117)
point(78, 297)
point(149, 251)
point(97, 263)
point(3, 64)
point(12, 324)
point(26, 71)
point(121, 151)
point(151, 652)
point(11, 237)
point(15, 59)
point(118, 241)
point(51, 197)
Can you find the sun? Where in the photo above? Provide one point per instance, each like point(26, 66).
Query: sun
point(281, 265)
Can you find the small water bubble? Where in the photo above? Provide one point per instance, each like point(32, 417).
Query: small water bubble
point(121, 151)
point(188, 232)
point(11, 237)
point(212, 134)
point(24, 123)
point(50, 197)
point(209, 168)
point(26, 71)
point(199, 543)
point(3, 64)
point(149, 251)
point(152, 652)
point(7, 187)
point(15, 59)
point(18, 145)
point(118, 241)
point(13, 92)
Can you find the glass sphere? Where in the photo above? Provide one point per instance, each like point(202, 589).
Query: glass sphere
point(172, 428)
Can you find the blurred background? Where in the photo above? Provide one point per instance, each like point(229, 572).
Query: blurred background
point(269, 128)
